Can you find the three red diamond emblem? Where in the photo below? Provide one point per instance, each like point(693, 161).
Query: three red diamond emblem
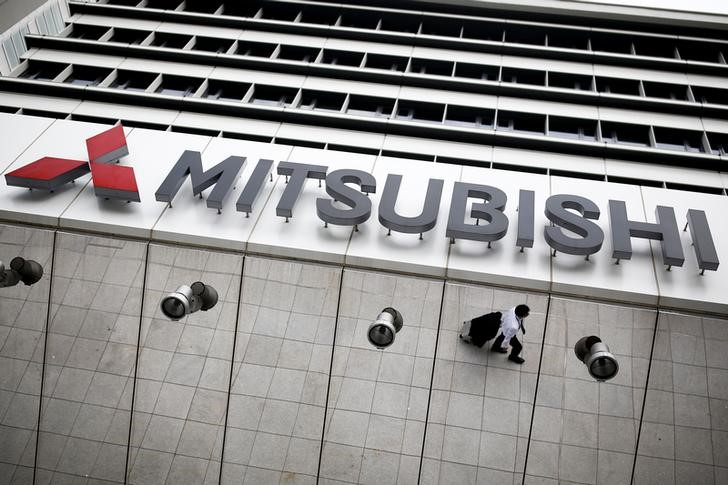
point(110, 181)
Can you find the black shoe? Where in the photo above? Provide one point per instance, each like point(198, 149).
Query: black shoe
point(516, 359)
point(498, 349)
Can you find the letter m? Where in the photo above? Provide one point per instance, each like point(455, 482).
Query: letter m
point(222, 176)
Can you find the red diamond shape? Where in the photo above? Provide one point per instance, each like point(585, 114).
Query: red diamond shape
point(108, 146)
point(47, 173)
point(114, 181)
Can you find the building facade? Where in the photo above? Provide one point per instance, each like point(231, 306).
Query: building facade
point(316, 162)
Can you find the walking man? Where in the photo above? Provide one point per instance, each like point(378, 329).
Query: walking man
point(511, 323)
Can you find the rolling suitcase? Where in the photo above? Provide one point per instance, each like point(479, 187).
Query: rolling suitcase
point(480, 329)
point(465, 332)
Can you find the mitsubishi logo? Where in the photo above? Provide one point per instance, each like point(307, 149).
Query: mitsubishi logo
point(109, 180)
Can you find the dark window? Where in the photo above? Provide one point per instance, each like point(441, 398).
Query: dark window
point(665, 90)
point(369, 106)
point(701, 51)
point(225, 90)
point(171, 41)
point(8, 109)
point(129, 36)
point(710, 95)
point(409, 24)
point(87, 75)
point(143, 124)
point(247, 136)
point(570, 81)
point(462, 161)
point(632, 181)
point(353, 149)
point(241, 9)
point(519, 168)
point(525, 34)
point(626, 134)
point(694, 188)
point(281, 11)
point(43, 114)
point(408, 155)
point(576, 175)
point(299, 143)
point(178, 85)
point(476, 71)
point(128, 3)
point(342, 58)
point(201, 6)
point(256, 49)
point(718, 143)
point(675, 139)
point(492, 31)
point(441, 26)
point(273, 95)
point(618, 86)
point(419, 111)
point(297, 53)
point(133, 81)
point(654, 47)
point(568, 39)
point(574, 128)
point(93, 119)
point(390, 63)
point(89, 32)
point(621, 44)
point(322, 100)
point(163, 4)
point(324, 15)
point(471, 117)
point(523, 76)
point(195, 131)
point(429, 66)
point(42, 71)
point(212, 44)
point(360, 19)
point(521, 122)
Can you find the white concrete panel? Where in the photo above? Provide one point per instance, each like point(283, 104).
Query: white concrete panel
point(191, 221)
point(648, 118)
point(547, 65)
point(354, 87)
point(305, 236)
point(82, 58)
point(152, 153)
point(643, 74)
point(714, 125)
point(648, 171)
point(372, 248)
point(177, 68)
point(532, 158)
point(503, 263)
point(706, 81)
point(547, 107)
point(139, 24)
point(630, 281)
point(227, 123)
point(373, 47)
point(18, 132)
point(684, 287)
point(126, 112)
point(449, 97)
point(438, 148)
point(45, 103)
point(280, 38)
point(331, 135)
point(63, 139)
point(200, 30)
point(245, 75)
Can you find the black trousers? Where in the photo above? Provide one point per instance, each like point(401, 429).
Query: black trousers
point(516, 346)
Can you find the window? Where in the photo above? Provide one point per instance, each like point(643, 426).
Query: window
point(194, 131)
point(87, 75)
point(523, 76)
point(573, 128)
point(409, 24)
point(284, 12)
point(626, 134)
point(322, 100)
point(429, 66)
point(665, 90)
point(408, 155)
point(621, 44)
point(390, 63)
point(128, 36)
point(710, 95)
point(701, 51)
point(675, 139)
point(441, 26)
point(255, 49)
point(225, 90)
point(633, 181)
point(570, 81)
point(359, 19)
point(470, 117)
point(342, 58)
point(273, 95)
point(477, 71)
point(178, 85)
point(568, 39)
point(299, 143)
point(201, 6)
point(171, 41)
point(654, 47)
point(521, 122)
point(314, 14)
point(525, 34)
point(42, 70)
point(212, 44)
point(297, 53)
point(420, 111)
point(128, 3)
point(88, 32)
point(163, 4)
point(492, 31)
point(718, 143)
point(618, 86)
point(369, 106)
point(133, 81)
point(241, 9)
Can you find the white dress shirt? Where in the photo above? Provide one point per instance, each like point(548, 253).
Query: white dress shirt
point(510, 325)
